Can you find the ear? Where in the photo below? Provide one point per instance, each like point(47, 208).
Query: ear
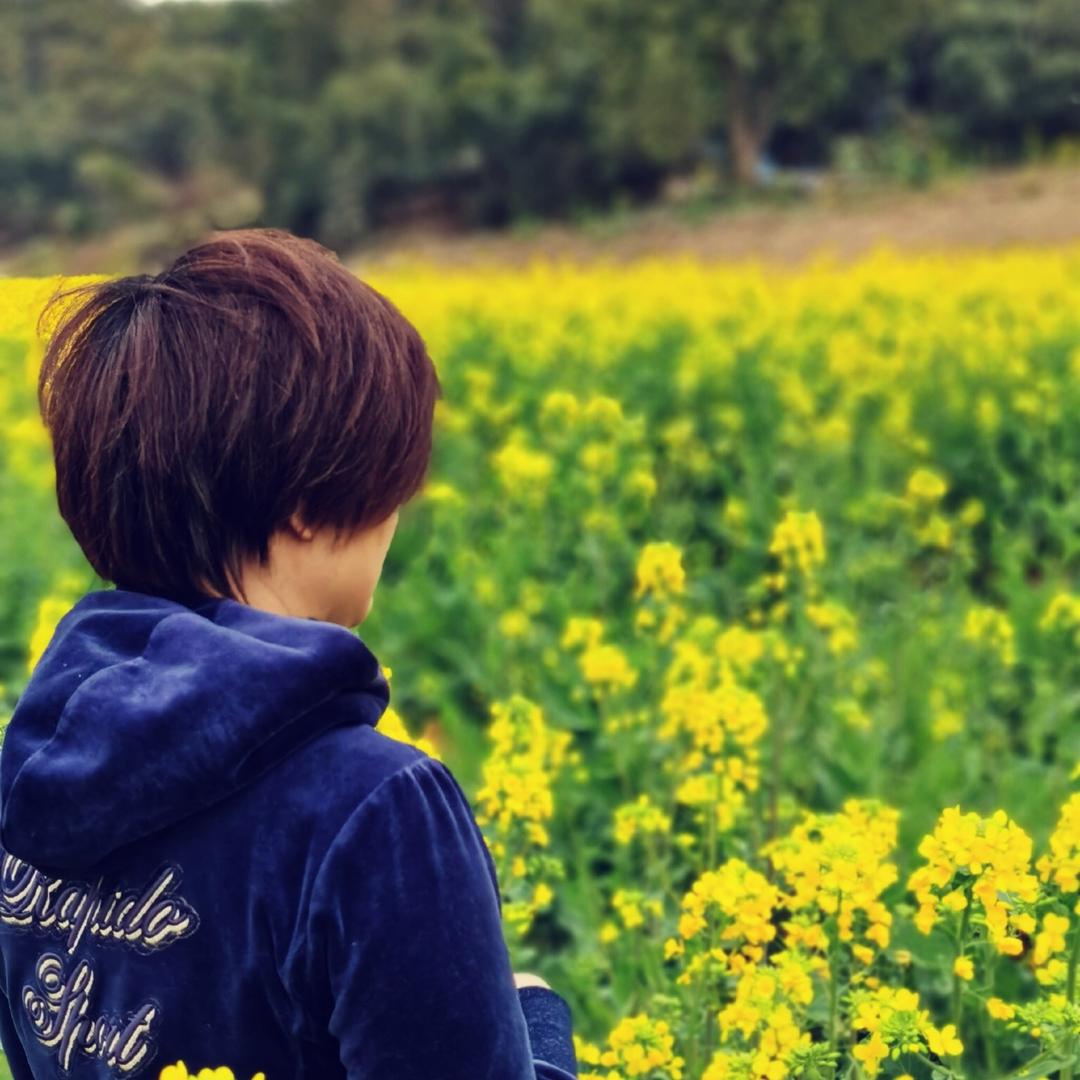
point(302, 531)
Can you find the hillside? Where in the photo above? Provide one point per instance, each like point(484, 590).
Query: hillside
point(1034, 205)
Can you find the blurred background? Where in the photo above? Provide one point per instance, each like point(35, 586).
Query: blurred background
point(381, 126)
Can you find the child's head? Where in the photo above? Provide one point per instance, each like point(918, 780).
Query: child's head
point(246, 423)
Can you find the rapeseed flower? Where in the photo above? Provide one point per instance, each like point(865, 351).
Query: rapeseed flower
point(799, 543)
point(179, 1071)
point(985, 861)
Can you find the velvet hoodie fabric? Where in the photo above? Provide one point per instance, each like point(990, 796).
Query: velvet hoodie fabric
point(211, 854)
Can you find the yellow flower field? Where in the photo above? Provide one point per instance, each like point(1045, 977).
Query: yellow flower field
point(746, 605)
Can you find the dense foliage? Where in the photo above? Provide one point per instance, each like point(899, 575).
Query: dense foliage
point(331, 116)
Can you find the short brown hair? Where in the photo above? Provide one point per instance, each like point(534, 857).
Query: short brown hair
point(193, 411)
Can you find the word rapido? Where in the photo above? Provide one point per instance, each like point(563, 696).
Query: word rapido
point(147, 919)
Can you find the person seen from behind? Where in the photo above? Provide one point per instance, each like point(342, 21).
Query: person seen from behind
point(210, 852)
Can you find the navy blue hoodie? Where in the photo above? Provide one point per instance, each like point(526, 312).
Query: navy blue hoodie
point(210, 853)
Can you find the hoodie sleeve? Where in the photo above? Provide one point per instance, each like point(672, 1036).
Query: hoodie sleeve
point(405, 935)
point(17, 1064)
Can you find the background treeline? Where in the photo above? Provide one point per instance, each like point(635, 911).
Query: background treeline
point(333, 117)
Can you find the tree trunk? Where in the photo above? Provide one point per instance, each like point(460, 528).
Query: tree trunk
point(746, 143)
point(507, 21)
point(748, 125)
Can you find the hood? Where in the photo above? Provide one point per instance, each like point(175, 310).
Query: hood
point(143, 710)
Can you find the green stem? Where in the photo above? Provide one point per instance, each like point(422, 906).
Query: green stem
point(617, 739)
point(710, 810)
point(834, 974)
point(1070, 997)
point(934, 1065)
point(987, 1031)
point(958, 983)
point(777, 768)
point(940, 1066)
point(779, 731)
point(985, 1024)
point(1074, 957)
point(659, 874)
point(710, 1002)
point(1026, 1068)
point(694, 1065)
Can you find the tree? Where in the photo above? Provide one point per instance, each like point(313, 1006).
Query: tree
point(757, 62)
point(1003, 70)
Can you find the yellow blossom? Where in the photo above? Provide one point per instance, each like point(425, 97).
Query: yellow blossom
point(799, 542)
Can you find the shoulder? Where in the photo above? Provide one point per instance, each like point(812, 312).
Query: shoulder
point(303, 801)
point(419, 829)
point(322, 784)
point(390, 794)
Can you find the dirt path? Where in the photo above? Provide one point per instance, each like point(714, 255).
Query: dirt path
point(1035, 205)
